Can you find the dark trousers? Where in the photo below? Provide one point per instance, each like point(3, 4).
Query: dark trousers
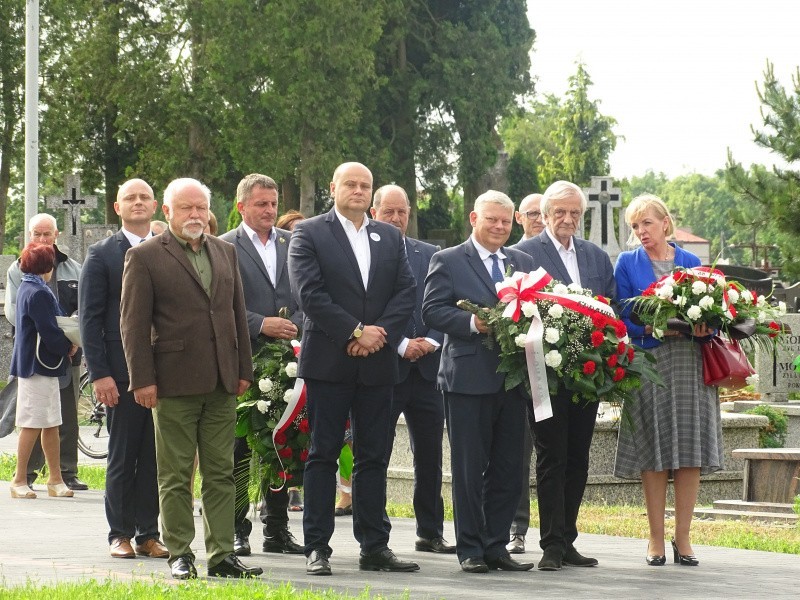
point(485, 434)
point(131, 478)
point(422, 405)
point(67, 433)
point(329, 407)
point(562, 467)
point(274, 514)
point(522, 519)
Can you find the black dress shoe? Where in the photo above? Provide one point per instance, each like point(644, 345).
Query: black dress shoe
point(506, 563)
point(385, 560)
point(474, 565)
point(241, 545)
point(231, 566)
point(317, 563)
point(283, 542)
point(74, 483)
point(183, 568)
point(685, 560)
point(437, 544)
point(655, 560)
point(573, 558)
point(551, 560)
point(517, 544)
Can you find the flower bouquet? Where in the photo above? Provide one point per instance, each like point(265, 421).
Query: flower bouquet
point(551, 334)
point(271, 414)
point(687, 297)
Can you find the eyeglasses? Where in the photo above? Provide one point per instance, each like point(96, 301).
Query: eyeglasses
point(532, 214)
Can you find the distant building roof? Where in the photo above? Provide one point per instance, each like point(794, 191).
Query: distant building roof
point(681, 235)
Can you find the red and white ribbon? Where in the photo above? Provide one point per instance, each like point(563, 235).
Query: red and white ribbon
point(293, 407)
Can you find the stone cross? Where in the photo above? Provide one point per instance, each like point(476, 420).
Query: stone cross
point(71, 237)
point(603, 199)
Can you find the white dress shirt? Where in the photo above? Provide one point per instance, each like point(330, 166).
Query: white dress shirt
point(267, 252)
point(486, 259)
point(403, 345)
point(568, 256)
point(135, 240)
point(359, 242)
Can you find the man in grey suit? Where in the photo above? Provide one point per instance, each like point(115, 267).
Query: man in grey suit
point(262, 250)
point(416, 395)
point(184, 332)
point(131, 498)
point(562, 442)
point(485, 422)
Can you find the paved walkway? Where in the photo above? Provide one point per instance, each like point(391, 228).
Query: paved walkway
point(48, 540)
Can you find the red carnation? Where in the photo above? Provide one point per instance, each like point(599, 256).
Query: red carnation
point(649, 292)
point(620, 329)
point(612, 360)
point(597, 338)
point(304, 455)
point(619, 373)
point(621, 347)
point(599, 320)
point(280, 438)
point(589, 367)
point(285, 452)
point(680, 276)
point(303, 427)
point(774, 327)
point(630, 354)
point(285, 476)
point(603, 299)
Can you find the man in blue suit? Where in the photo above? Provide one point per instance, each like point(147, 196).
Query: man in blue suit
point(416, 395)
point(352, 281)
point(262, 250)
point(131, 498)
point(562, 442)
point(485, 422)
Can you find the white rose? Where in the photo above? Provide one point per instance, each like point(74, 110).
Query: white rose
point(752, 379)
point(287, 395)
point(664, 292)
point(291, 369)
point(706, 302)
point(552, 335)
point(265, 385)
point(520, 340)
point(694, 312)
point(698, 287)
point(528, 309)
point(761, 317)
point(553, 359)
point(747, 296)
point(262, 406)
point(556, 311)
point(733, 296)
point(560, 289)
point(574, 288)
point(669, 281)
point(782, 308)
point(680, 301)
point(761, 301)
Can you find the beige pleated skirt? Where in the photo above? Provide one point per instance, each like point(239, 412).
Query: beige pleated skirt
point(38, 402)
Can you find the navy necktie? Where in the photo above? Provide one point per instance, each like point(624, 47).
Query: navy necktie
point(497, 274)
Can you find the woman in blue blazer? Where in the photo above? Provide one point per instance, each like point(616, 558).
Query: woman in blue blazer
point(677, 428)
point(38, 359)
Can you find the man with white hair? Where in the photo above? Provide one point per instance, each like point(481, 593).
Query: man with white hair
point(485, 421)
point(64, 283)
point(184, 332)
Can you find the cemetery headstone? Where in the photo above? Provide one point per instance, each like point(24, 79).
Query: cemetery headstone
point(776, 375)
point(70, 237)
point(604, 199)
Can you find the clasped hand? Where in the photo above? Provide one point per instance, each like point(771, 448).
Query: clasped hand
point(372, 339)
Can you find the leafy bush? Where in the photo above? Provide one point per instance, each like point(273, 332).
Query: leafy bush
point(773, 435)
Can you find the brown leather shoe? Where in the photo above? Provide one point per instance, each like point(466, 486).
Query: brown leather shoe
point(121, 548)
point(152, 548)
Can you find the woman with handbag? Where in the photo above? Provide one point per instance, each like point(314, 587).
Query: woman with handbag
point(677, 428)
point(40, 356)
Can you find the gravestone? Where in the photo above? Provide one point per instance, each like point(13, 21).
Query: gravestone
point(603, 200)
point(776, 375)
point(70, 237)
point(95, 233)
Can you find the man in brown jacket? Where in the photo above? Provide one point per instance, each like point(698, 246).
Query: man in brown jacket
point(184, 331)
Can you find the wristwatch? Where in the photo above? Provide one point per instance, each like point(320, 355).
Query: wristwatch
point(357, 331)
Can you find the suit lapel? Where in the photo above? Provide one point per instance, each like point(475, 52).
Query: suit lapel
point(474, 260)
point(341, 237)
point(376, 247)
point(246, 244)
point(281, 253)
point(415, 260)
point(582, 256)
point(555, 259)
point(216, 258)
point(174, 247)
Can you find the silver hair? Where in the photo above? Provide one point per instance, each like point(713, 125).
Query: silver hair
point(384, 189)
point(38, 218)
point(178, 184)
point(561, 190)
point(492, 197)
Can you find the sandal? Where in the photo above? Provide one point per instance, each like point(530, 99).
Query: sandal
point(22, 491)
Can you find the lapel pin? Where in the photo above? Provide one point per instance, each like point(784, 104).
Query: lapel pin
point(375, 237)
point(282, 239)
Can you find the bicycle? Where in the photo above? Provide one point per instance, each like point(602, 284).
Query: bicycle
point(92, 430)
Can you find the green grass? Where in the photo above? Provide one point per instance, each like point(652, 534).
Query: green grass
point(198, 589)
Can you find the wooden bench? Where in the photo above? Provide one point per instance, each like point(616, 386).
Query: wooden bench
point(770, 475)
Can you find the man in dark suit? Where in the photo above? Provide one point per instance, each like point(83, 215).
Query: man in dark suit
point(562, 442)
point(262, 251)
point(131, 499)
point(416, 395)
point(353, 283)
point(485, 421)
point(184, 332)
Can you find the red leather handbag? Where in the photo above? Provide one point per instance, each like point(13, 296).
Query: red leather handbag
point(724, 363)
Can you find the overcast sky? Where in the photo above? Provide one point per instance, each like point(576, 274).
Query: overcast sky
point(678, 75)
